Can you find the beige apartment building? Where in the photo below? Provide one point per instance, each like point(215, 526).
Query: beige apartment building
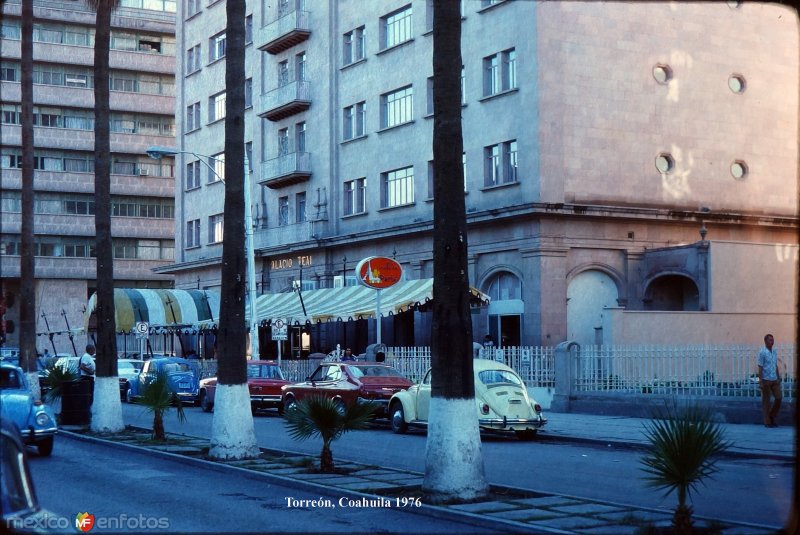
point(630, 168)
point(142, 114)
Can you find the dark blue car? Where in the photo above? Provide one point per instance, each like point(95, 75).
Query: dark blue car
point(183, 376)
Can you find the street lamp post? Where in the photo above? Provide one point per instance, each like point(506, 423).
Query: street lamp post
point(250, 253)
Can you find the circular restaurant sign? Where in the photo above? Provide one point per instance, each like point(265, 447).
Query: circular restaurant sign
point(379, 272)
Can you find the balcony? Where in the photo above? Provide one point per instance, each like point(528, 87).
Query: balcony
point(286, 170)
point(283, 235)
point(284, 33)
point(285, 101)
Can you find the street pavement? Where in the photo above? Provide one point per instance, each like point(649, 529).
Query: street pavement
point(517, 510)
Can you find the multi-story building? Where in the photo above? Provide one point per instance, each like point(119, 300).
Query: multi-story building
point(630, 168)
point(142, 61)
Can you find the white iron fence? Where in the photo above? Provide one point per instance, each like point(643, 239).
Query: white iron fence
point(678, 370)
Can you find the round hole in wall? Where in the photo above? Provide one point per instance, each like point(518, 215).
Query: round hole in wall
point(665, 163)
point(739, 169)
point(737, 83)
point(662, 73)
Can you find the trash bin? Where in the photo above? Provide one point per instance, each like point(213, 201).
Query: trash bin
point(76, 401)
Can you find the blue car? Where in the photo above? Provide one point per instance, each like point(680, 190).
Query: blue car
point(183, 376)
point(35, 420)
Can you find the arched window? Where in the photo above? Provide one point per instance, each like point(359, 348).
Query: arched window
point(504, 286)
point(672, 292)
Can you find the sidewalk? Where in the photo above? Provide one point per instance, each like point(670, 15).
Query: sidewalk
point(747, 440)
point(509, 509)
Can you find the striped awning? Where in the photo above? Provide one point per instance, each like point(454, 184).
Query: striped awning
point(159, 308)
point(348, 303)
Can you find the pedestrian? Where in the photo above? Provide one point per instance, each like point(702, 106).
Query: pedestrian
point(348, 354)
point(769, 379)
point(86, 369)
point(488, 343)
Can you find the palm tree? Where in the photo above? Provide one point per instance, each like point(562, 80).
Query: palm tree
point(453, 458)
point(232, 431)
point(107, 407)
point(27, 313)
point(323, 417)
point(157, 397)
point(682, 447)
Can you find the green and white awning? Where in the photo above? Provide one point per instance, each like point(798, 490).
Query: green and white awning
point(159, 308)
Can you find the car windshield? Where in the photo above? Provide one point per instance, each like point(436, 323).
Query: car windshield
point(129, 366)
point(263, 371)
point(9, 378)
point(374, 371)
point(499, 377)
point(173, 367)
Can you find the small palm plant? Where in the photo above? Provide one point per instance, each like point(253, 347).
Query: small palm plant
point(683, 445)
point(157, 397)
point(54, 379)
point(326, 418)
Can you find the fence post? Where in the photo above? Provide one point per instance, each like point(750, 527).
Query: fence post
point(564, 375)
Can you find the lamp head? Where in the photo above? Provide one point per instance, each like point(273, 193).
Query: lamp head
point(157, 153)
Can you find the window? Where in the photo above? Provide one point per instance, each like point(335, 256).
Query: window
point(215, 228)
point(283, 142)
point(248, 29)
point(283, 73)
point(398, 107)
point(354, 120)
point(300, 67)
point(300, 207)
point(283, 211)
point(193, 59)
point(397, 187)
point(217, 163)
point(300, 137)
point(499, 72)
point(193, 175)
point(248, 153)
point(193, 233)
point(500, 164)
point(355, 196)
point(353, 49)
point(192, 7)
point(216, 47)
point(193, 117)
point(463, 86)
point(9, 74)
point(396, 27)
point(216, 107)
point(248, 93)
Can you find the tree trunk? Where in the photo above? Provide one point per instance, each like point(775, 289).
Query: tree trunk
point(106, 356)
point(326, 465)
point(158, 426)
point(27, 312)
point(454, 463)
point(233, 442)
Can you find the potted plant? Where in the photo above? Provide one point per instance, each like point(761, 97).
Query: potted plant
point(54, 379)
point(157, 397)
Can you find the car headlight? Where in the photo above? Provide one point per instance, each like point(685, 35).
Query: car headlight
point(43, 419)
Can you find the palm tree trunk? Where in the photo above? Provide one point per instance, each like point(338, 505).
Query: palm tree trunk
point(27, 313)
point(454, 462)
point(107, 407)
point(232, 431)
point(158, 426)
point(326, 459)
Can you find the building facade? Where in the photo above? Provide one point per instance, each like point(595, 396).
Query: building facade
point(142, 62)
point(616, 156)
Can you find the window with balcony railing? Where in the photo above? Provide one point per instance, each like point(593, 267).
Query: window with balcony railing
point(396, 27)
point(397, 107)
point(397, 187)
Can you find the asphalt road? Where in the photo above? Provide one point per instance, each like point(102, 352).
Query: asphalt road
point(744, 490)
point(142, 493)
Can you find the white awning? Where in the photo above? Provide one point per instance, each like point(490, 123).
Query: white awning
point(348, 303)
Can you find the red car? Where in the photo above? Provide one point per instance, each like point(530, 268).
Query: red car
point(264, 379)
point(348, 383)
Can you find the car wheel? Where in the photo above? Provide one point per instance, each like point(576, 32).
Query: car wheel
point(205, 404)
point(526, 434)
point(45, 447)
point(398, 418)
point(129, 395)
point(290, 403)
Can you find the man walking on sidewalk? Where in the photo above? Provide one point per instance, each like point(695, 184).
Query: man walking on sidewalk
point(770, 381)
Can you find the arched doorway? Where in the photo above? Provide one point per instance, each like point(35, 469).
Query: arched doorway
point(587, 294)
point(505, 309)
point(672, 292)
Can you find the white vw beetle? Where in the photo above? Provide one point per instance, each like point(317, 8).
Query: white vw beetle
point(502, 402)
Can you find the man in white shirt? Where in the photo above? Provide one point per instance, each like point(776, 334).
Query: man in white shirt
point(86, 369)
point(769, 379)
